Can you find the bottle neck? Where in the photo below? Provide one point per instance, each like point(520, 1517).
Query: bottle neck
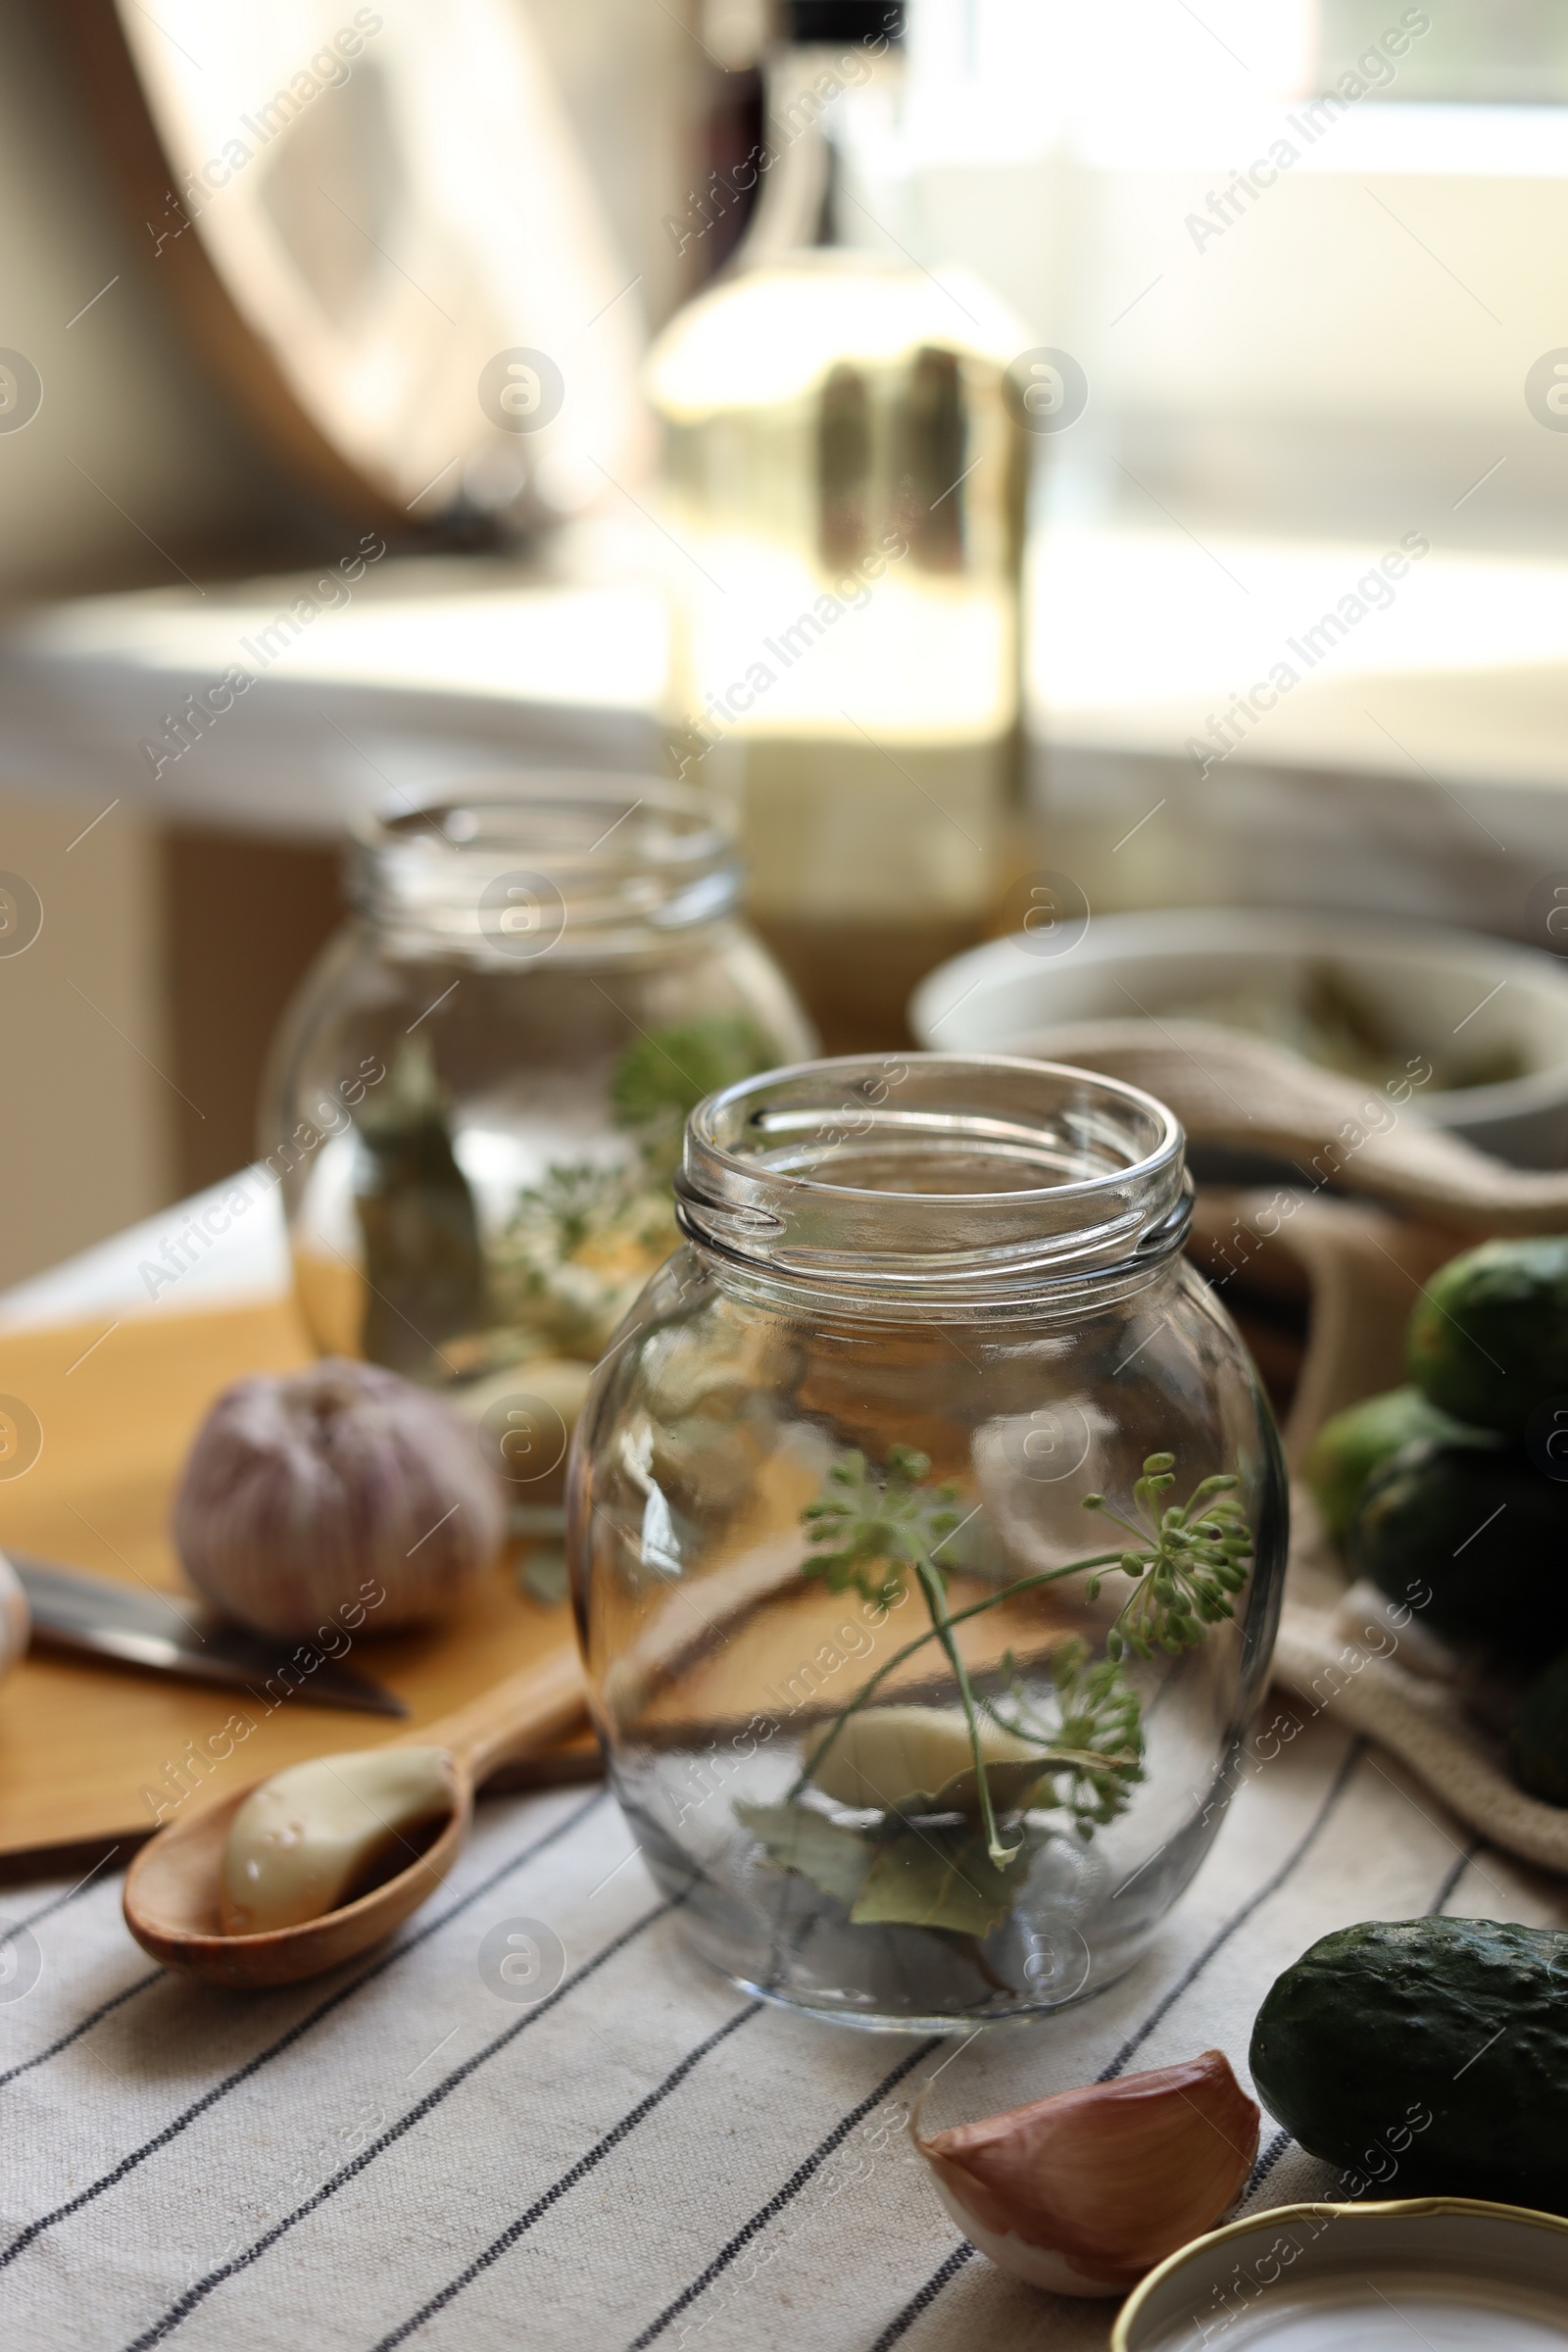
point(811, 89)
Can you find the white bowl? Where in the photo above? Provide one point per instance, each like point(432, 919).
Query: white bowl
point(1432, 986)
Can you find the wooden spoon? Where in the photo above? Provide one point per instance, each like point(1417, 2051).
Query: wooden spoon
point(172, 1888)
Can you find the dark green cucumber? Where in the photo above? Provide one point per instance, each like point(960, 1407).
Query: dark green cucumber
point(1350, 1446)
point(1474, 1538)
point(1487, 1340)
point(1463, 2022)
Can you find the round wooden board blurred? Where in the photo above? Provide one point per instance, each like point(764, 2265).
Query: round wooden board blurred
point(376, 226)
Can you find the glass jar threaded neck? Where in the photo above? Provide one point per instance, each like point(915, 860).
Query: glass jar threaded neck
point(513, 868)
point(934, 1177)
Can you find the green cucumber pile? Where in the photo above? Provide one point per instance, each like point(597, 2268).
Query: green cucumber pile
point(1451, 1495)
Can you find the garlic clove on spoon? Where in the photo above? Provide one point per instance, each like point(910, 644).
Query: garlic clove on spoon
point(309, 1837)
point(1085, 2191)
point(919, 1760)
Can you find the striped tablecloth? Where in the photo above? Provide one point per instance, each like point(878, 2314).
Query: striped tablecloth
point(408, 2152)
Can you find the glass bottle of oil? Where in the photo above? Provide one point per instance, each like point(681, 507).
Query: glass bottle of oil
point(843, 486)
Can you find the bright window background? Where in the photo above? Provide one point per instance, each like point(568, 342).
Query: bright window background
point(1285, 379)
point(1498, 51)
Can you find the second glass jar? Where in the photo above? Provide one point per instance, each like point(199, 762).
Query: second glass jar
point(477, 1099)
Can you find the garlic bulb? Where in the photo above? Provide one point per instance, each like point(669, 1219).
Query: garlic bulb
point(301, 1842)
point(338, 1490)
point(16, 1626)
point(1085, 2191)
point(919, 1760)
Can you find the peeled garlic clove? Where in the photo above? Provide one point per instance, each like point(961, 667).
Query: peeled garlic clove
point(339, 1492)
point(303, 1840)
point(919, 1760)
point(1085, 2191)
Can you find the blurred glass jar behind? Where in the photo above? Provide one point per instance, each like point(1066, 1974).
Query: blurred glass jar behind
point(927, 1529)
point(484, 1078)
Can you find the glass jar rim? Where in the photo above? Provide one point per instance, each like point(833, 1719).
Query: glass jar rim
point(1036, 1175)
point(518, 867)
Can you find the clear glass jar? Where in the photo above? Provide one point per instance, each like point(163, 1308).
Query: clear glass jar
point(929, 1330)
point(477, 1096)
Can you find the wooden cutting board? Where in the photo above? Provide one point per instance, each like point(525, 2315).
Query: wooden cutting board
point(81, 1742)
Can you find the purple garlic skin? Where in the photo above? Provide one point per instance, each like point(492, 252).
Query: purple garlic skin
point(301, 1489)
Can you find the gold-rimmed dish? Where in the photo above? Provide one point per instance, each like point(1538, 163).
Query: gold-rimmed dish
point(1452, 2271)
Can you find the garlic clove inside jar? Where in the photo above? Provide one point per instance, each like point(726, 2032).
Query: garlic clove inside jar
point(311, 1838)
point(919, 1760)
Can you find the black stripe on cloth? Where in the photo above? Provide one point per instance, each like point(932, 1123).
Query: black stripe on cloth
point(434, 2098)
point(418, 1936)
point(1265, 2164)
point(780, 2197)
point(903, 2321)
point(568, 2180)
point(285, 2041)
point(939, 2279)
point(56, 1902)
point(1439, 1902)
point(115, 2000)
point(1239, 1919)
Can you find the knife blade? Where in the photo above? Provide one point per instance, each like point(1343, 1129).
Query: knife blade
point(75, 1609)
